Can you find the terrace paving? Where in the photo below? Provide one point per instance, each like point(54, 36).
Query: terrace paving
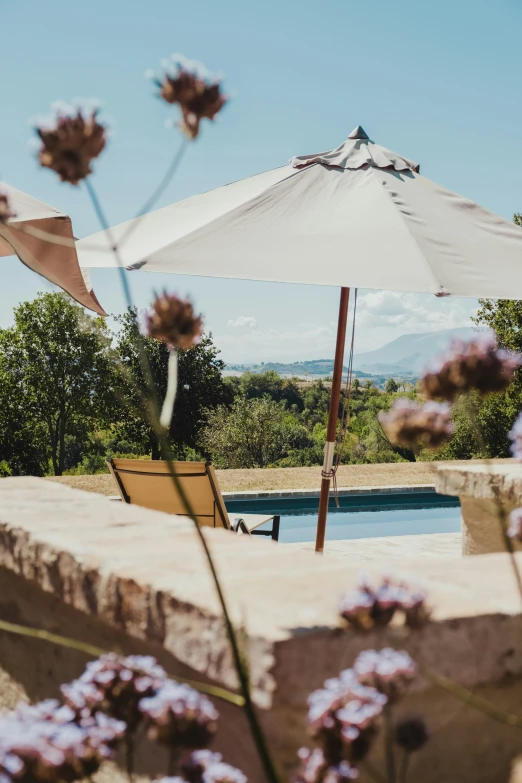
point(390, 547)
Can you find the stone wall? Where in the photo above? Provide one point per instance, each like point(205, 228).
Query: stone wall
point(134, 580)
point(487, 493)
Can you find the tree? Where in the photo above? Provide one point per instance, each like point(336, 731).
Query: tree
point(391, 386)
point(496, 413)
point(57, 380)
point(316, 400)
point(201, 389)
point(272, 384)
point(249, 435)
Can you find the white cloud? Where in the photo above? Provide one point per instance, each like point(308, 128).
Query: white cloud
point(307, 341)
point(407, 313)
point(382, 316)
point(244, 322)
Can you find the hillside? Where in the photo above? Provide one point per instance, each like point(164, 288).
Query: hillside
point(405, 357)
point(411, 352)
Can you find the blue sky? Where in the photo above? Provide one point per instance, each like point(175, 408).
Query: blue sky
point(437, 82)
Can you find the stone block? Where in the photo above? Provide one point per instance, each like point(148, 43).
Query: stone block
point(487, 493)
point(134, 580)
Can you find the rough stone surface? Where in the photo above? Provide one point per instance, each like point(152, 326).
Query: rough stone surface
point(130, 579)
point(488, 493)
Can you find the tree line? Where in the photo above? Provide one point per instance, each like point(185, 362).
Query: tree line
point(72, 394)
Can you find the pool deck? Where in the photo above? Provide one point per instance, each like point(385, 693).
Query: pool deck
point(390, 548)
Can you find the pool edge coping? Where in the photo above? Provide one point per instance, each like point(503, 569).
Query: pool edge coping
point(341, 491)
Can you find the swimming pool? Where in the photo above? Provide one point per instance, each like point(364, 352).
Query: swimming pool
point(361, 515)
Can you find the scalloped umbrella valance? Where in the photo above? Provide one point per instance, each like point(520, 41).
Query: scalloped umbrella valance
point(43, 240)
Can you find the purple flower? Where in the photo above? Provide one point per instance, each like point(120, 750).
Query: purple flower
point(410, 424)
point(71, 144)
point(42, 743)
point(515, 436)
point(515, 524)
point(367, 607)
point(389, 671)
point(343, 717)
point(179, 716)
point(198, 96)
point(115, 686)
point(172, 320)
point(477, 364)
point(315, 769)
point(203, 766)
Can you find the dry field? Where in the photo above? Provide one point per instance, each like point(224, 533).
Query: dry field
point(385, 474)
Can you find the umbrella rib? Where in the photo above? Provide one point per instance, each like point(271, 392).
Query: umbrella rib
point(383, 185)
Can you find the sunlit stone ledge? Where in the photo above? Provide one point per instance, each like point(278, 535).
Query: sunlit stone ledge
point(121, 577)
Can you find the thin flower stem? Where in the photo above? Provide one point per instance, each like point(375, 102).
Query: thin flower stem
point(172, 385)
point(468, 697)
point(373, 773)
point(100, 214)
point(158, 192)
point(53, 638)
point(388, 740)
point(403, 769)
point(164, 443)
point(74, 644)
point(129, 755)
point(173, 761)
point(255, 726)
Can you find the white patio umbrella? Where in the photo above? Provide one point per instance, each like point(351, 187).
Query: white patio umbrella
point(43, 240)
point(359, 216)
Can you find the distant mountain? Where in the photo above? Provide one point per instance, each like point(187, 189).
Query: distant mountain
point(411, 352)
point(405, 357)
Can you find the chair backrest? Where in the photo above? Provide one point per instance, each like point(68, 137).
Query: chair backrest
point(148, 483)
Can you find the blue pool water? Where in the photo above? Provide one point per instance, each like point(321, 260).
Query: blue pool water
point(360, 516)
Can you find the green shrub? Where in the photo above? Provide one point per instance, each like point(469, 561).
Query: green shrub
point(5, 468)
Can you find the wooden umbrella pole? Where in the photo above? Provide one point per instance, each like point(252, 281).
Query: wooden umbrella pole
point(333, 415)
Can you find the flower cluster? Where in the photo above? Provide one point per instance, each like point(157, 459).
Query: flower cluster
point(44, 744)
point(477, 364)
point(186, 84)
point(389, 671)
point(179, 716)
point(203, 766)
point(367, 607)
point(410, 424)
point(514, 530)
point(172, 321)
point(115, 686)
point(315, 768)
point(344, 716)
point(71, 144)
point(6, 213)
point(515, 436)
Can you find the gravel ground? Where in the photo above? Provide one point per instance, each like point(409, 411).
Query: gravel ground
point(385, 474)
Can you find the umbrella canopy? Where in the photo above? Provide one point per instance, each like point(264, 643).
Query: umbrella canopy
point(27, 235)
point(358, 216)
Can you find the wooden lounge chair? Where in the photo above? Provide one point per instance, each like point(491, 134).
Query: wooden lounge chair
point(148, 483)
